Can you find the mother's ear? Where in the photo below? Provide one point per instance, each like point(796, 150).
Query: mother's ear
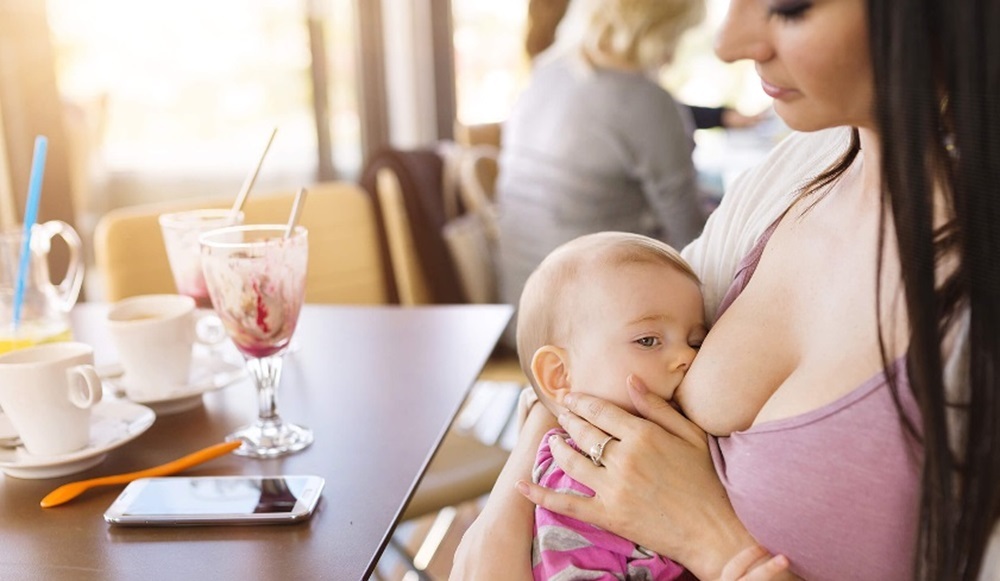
point(550, 366)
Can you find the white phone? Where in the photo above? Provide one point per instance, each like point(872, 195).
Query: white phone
point(216, 500)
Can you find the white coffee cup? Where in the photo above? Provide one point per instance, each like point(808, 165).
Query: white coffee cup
point(155, 336)
point(47, 393)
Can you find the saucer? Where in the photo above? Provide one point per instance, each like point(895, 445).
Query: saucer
point(112, 423)
point(207, 374)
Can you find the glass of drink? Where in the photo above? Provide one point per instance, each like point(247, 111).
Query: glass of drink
point(45, 306)
point(256, 278)
point(180, 236)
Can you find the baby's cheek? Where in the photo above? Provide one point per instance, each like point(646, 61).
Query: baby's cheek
point(623, 400)
point(618, 397)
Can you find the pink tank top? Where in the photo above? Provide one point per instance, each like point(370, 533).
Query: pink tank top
point(836, 490)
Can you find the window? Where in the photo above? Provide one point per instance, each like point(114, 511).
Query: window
point(189, 85)
point(491, 65)
point(342, 85)
point(698, 77)
point(184, 94)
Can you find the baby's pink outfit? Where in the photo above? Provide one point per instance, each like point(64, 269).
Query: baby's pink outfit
point(567, 548)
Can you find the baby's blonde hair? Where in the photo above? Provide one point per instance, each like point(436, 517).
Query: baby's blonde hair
point(642, 33)
point(548, 292)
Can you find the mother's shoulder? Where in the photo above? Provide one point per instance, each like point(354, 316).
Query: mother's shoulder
point(774, 183)
point(754, 201)
point(810, 152)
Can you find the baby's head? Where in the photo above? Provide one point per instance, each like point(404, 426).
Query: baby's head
point(604, 306)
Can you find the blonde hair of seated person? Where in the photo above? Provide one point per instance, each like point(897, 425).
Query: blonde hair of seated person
point(638, 34)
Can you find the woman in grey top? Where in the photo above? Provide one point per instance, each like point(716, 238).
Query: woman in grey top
point(594, 143)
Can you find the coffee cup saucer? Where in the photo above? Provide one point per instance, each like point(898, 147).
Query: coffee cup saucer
point(112, 424)
point(207, 374)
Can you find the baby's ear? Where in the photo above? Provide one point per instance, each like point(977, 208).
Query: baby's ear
point(550, 366)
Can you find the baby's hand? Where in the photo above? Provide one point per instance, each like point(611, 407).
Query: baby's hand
point(754, 563)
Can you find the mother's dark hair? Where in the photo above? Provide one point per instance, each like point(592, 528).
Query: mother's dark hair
point(937, 78)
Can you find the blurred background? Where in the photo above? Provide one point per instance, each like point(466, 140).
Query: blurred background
point(146, 101)
point(156, 101)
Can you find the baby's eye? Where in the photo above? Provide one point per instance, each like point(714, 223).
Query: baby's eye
point(647, 342)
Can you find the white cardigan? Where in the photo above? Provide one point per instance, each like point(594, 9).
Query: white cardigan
point(754, 201)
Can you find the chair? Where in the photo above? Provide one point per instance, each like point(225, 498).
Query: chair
point(483, 134)
point(412, 216)
point(407, 187)
point(479, 134)
point(344, 252)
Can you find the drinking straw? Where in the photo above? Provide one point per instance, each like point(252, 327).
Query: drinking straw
point(296, 212)
point(30, 216)
point(251, 178)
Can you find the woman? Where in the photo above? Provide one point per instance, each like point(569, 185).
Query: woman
point(594, 143)
point(873, 302)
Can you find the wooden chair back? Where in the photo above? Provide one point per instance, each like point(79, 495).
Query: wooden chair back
point(345, 256)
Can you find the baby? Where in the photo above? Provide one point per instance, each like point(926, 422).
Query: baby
point(597, 309)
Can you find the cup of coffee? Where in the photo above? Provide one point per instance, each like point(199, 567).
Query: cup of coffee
point(155, 336)
point(47, 393)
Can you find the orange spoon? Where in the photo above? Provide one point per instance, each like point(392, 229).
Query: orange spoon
point(68, 492)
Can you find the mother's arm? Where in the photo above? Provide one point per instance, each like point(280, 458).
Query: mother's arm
point(498, 544)
point(657, 486)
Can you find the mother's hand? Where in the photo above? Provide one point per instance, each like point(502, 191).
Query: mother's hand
point(655, 485)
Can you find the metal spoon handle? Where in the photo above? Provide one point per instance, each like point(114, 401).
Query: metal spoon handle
point(241, 198)
point(293, 219)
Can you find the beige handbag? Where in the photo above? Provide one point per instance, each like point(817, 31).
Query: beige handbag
point(471, 230)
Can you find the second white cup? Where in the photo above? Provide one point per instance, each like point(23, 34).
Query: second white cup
point(154, 335)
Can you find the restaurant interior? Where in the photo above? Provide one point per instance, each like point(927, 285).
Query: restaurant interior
point(150, 108)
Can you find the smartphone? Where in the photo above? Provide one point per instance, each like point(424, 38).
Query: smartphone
point(216, 500)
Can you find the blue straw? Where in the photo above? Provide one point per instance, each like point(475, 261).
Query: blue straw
point(30, 216)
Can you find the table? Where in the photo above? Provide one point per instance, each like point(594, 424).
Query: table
point(378, 385)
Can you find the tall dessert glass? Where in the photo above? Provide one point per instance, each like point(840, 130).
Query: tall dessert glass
point(181, 231)
point(256, 278)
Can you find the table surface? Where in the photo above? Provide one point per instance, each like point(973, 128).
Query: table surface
point(379, 386)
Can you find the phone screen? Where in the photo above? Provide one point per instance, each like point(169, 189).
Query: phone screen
point(230, 498)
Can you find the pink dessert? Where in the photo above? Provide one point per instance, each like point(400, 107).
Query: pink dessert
point(193, 285)
point(262, 320)
point(201, 299)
